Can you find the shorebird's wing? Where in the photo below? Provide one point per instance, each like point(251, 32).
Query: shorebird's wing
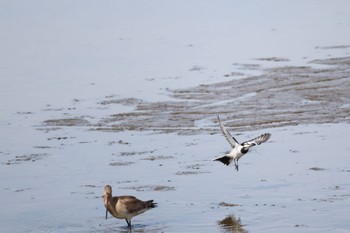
point(257, 141)
point(233, 142)
point(132, 204)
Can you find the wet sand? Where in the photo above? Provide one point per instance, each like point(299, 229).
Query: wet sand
point(281, 96)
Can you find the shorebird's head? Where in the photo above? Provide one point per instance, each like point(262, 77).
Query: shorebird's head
point(107, 193)
point(108, 189)
point(245, 149)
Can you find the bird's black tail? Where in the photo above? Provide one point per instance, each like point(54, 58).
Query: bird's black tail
point(151, 204)
point(224, 159)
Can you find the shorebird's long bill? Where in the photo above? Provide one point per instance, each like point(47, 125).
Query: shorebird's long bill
point(106, 213)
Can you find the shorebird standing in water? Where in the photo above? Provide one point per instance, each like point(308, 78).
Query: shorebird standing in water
point(125, 207)
point(238, 149)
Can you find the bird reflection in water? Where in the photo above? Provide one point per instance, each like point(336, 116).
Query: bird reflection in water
point(232, 224)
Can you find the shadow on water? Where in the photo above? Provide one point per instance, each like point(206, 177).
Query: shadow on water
point(231, 224)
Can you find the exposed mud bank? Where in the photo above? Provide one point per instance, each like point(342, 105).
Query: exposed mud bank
point(281, 96)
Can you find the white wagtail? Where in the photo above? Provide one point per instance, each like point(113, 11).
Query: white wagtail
point(238, 149)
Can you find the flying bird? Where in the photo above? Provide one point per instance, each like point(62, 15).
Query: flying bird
point(125, 207)
point(238, 150)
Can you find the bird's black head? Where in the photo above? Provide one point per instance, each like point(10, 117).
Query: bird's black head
point(244, 150)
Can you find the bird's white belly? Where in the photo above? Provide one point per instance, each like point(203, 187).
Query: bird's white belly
point(236, 152)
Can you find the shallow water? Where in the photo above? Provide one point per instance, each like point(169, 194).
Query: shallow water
point(295, 182)
point(95, 94)
point(289, 184)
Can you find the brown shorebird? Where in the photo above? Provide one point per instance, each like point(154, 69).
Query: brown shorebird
point(125, 207)
point(238, 149)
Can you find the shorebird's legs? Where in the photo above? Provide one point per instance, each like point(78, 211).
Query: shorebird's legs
point(128, 222)
point(236, 165)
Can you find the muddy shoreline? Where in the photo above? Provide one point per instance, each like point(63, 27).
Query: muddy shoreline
point(281, 96)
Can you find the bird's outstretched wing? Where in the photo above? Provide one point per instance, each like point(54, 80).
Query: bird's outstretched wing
point(257, 141)
point(233, 142)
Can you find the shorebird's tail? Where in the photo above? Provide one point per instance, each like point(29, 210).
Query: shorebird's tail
point(151, 204)
point(224, 159)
